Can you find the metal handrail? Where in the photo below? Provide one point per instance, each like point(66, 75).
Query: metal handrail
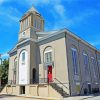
point(61, 83)
point(42, 80)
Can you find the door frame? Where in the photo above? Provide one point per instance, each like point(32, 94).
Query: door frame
point(49, 74)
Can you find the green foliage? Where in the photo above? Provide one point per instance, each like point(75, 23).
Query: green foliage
point(4, 71)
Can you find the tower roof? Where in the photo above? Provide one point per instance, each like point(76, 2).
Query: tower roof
point(32, 9)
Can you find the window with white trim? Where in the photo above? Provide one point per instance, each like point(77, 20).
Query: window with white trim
point(48, 57)
point(74, 59)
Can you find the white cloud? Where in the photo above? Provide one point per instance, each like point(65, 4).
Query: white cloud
point(37, 2)
point(14, 18)
point(82, 16)
point(11, 15)
point(60, 14)
point(1, 1)
point(69, 21)
point(44, 2)
point(60, 9)
point(95, 43)
point(5, 55)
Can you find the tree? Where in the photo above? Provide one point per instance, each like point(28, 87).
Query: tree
point(0, 74)
point(4, 71)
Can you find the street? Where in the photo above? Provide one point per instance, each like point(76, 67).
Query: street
point(9, 97)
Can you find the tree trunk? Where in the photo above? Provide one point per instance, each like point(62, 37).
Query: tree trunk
point(0, 83)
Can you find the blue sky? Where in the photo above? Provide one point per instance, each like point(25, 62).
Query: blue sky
point(80, 16)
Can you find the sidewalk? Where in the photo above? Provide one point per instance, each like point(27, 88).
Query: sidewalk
point(33, 97)
point(82, 97)
point(52, 98)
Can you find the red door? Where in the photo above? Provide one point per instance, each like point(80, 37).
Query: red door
point(49, 73)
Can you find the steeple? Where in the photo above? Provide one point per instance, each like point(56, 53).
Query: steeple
point(31, 21)
point(32, 9)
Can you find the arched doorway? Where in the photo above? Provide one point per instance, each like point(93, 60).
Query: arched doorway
point(34, 75)
point(23, 67)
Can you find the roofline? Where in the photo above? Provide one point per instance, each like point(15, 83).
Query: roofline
point(27, 40)
point(82, 40)
point(65, 31)
point(25, 16)
point(51, 35)
point(72, 34)
point(30, 13)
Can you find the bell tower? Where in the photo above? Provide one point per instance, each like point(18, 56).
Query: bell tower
point(30, 23)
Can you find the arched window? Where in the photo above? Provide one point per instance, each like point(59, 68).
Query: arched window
point(86, 63)
point(75, 61)
point(85, 57)
point(23, 57)
point(93, 66)
point(48, 55)
point(23, 67)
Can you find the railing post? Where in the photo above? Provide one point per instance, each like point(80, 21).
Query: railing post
point(62, 91)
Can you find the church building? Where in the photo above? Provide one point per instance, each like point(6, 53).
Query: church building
point(55, 59)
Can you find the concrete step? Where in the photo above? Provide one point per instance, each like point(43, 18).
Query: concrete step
point(59, 90)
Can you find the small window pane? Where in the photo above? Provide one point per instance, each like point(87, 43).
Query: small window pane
point(48, 57)
point(23, 57)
